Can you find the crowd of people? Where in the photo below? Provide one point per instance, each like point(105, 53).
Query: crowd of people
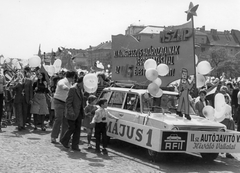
point(33, 99)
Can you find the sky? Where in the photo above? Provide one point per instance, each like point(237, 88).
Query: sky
point(25, 24)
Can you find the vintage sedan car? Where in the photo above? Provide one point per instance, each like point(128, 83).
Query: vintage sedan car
point(137, 106)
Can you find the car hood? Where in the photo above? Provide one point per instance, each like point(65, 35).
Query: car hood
point(197, 122)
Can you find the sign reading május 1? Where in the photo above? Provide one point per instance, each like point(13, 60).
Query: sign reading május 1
point(173, 46)
point(174, 141)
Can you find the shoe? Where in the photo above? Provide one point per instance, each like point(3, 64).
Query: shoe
point(64, 145)
point(228, 155)
point(76, 149)
point(89, 146)
point(104, 151)
point(188, 116)
point(97, 151)
point(179, 114)
point(53, 141)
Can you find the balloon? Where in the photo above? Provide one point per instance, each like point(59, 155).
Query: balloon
point(7, 60)
point(18, 66)
point(200, 80)
point(150, 63)
point(219, 102)
point(24, 62)
point(162, 69)
point(14, 62)
point(153, 88)
point(204, 67)
point(90, 90)
point(196, 59)
point(57, 64)
point(158, 81)
point(34, 61)
point(51, 70)
point(208, 111)
point(159, 94)
point(90, 80)
point(220, 115)
point(151, 74)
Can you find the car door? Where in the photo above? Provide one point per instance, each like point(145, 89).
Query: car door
point(115, 103)
point(131, 108)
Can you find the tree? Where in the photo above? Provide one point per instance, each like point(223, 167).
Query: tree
point(221, 62)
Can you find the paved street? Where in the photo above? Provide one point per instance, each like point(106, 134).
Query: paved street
point(32, 152)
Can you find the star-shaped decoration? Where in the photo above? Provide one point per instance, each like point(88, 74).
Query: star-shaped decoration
point(191, 11)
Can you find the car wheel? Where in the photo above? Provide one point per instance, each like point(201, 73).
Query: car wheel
point(209, 156)
point(152, 155)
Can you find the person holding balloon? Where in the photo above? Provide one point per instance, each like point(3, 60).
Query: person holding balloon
point(60, 97)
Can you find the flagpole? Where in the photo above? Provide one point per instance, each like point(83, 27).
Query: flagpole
point(194, 59)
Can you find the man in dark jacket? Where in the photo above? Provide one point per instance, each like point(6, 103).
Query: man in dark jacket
point(75, 104)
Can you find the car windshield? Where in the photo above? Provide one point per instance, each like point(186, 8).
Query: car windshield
point(165, 104)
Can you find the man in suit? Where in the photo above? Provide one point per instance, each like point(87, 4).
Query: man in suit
point(28, 96)
point(75, 104)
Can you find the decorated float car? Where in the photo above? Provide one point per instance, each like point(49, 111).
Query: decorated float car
point(152, 123)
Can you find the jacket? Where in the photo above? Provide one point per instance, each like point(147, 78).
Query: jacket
point(75, 103)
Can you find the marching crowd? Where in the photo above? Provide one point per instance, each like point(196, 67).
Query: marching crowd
point(60, 100)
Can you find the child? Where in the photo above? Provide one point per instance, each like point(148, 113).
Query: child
point(100, 120)
point(89, 113)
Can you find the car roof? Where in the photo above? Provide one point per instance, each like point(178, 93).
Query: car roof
point(139, 91)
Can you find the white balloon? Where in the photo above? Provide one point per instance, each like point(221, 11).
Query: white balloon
point(34, 61)
point(151, 74)
point(204, 67)
point(90, 90)
point(219, 102)
point(57, 64)
point(153, 88)
point(219, 116)
point(196, 59)
point(200, 81)
point(51, 70)
point(158, 95)
point(158, 81)
point(90, 80)
point(150, 63)
point(7, 60)
point(208, 111)
point(162, 69)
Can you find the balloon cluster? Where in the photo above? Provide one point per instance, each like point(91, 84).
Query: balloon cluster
point(152, 72)
point(203, 68)
point(55, 68)
point(90, 82)
point(217, 114)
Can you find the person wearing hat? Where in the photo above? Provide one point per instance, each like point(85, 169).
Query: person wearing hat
point(201, 103)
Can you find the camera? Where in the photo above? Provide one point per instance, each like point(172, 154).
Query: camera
point(104, 118)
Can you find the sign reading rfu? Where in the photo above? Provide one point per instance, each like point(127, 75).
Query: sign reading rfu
point(138, 134)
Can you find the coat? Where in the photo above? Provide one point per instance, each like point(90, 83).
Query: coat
point(28, 90)
point(75, 103)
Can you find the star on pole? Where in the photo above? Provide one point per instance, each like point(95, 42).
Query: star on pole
point(191, 11)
